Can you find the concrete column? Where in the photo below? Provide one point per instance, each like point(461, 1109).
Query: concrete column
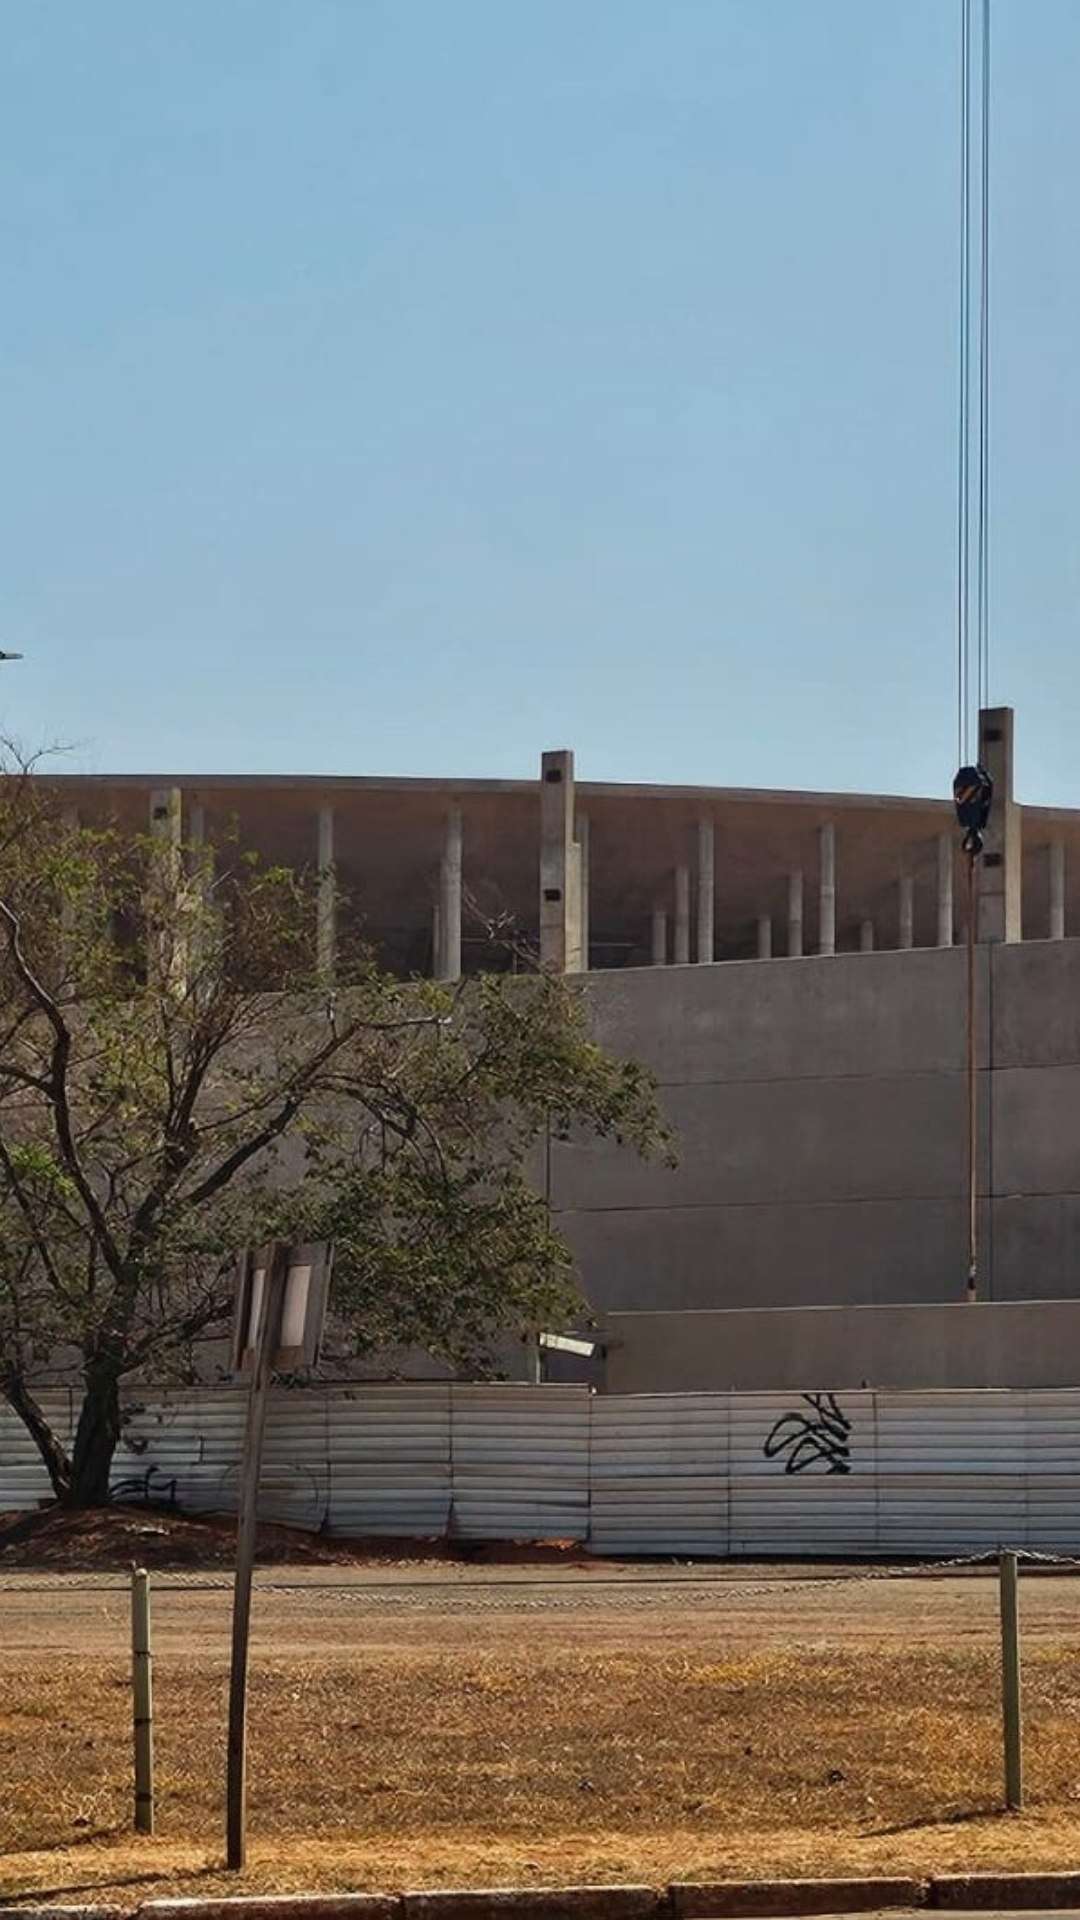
point(827, 888)
point(682, 916)
point(582, 838)
point(560, 866)
point(70, 822)
point(907, 910)
point(659, 937)
point(450, 898)
point(1000, 866)
point(866, 936)
point(945, 890)
point(706, 897)
point(168, 952)
point(326, 897)
point(436, 941)
point(795, 915)
point(1057, 889)
point(200, 882)
point(764, 936)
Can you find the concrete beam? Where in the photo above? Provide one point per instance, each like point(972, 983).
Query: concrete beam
point(795, 915)
point(1056, 852)
point(560, 866)
point(827, 888)
point(450, 871)
point(682, 916)
point(1000, 875)
point(326, 896)
point(945, 890)
point(706, 896)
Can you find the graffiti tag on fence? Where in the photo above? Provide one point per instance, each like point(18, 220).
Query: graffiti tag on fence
point(820, 1437)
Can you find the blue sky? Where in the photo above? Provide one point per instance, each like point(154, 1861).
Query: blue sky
point(402, 386)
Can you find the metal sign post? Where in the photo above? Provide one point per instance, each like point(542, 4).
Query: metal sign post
point(269, 1307)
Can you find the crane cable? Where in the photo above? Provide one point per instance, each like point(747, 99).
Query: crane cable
point(972, 788)
point(973, 673)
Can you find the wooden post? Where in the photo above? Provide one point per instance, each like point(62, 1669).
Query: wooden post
point(142, 1692)
point(273, 1296)
point(1010, 1680)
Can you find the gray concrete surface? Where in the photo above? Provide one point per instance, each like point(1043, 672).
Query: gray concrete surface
point(820, 1106)
point(993, 1344)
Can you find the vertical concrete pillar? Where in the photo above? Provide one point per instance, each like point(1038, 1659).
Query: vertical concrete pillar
point(436, 941)
point(907, 910)
point(450, 898)
point(945, 890)
point(706, 896)
point(200, 882)
point(582, 838)
point(866, 936)
point(168, 953)
point(764, 936)
point(1057, 889)
point(682, 916)
point(560, 867)
point(70, 822)
point(795, 915)
point(827, 888)
point(1000, 875)
point(659, 937)
point(326, 897)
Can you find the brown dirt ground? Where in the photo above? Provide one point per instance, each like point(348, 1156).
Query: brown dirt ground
point(158, 1538)
point(440, 1727)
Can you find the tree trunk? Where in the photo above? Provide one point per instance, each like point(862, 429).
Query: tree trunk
point(57, 1463)
point(96, 1438)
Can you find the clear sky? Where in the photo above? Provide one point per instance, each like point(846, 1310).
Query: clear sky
point(403, 386)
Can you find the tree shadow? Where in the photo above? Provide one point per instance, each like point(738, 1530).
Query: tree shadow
point(34, 1895)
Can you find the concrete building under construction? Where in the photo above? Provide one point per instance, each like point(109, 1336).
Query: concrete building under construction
point(788, 964)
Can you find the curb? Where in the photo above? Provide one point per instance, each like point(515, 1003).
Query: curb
point(535, 1903)
point(683, 1900)
point(719, 1899)
point(972, 1891)
point(275, 1906)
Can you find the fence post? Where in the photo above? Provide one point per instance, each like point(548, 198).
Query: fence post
point(142, 1689)
point(1010, 1679)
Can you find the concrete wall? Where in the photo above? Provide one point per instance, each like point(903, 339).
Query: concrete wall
point(1016, 1343)
point(820, 1105)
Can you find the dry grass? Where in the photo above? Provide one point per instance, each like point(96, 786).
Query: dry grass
point(421, 1767)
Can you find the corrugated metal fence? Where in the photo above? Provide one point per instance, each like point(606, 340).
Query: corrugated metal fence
point(718, 1473)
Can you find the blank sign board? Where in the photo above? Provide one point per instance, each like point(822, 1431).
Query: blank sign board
point(303, 1312)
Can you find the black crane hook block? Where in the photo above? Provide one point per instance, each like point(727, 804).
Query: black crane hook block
point(973, 791)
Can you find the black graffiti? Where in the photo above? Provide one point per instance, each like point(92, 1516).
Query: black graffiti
point(808, 1441)
point(144, 1488)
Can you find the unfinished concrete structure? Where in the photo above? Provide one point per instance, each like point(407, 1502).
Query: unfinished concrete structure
point(787, 963)
point(608, 876)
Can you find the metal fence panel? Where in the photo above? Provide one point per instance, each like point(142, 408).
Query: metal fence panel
point(520, 1462)
point(941, 1473)
point(659, 1474)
